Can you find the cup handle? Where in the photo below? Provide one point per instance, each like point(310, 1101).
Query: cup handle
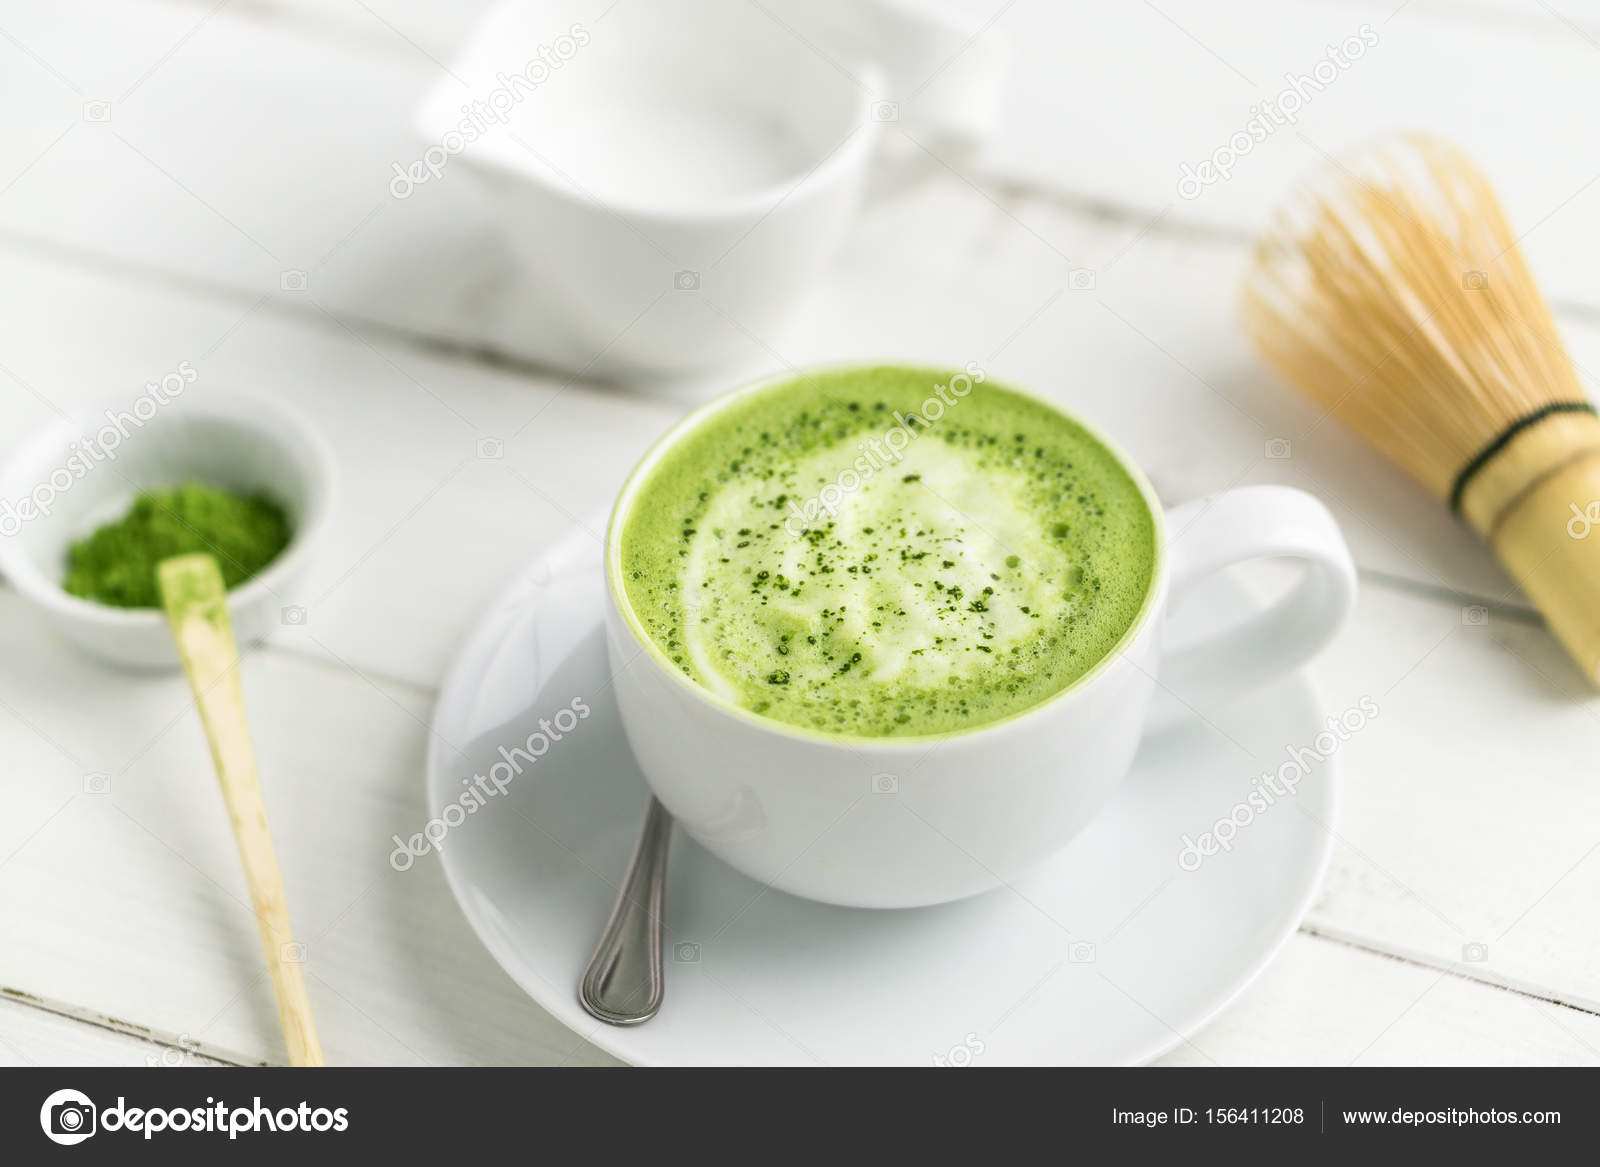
point(944, 70)
point(1236, 526)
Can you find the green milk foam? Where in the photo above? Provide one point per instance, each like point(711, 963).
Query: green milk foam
point(830, 553)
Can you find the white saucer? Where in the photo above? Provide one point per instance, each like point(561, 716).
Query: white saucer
point(1112, 953)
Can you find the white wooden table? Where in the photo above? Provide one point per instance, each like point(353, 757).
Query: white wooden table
point(166, 162)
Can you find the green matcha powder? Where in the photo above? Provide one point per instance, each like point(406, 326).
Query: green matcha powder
point(117, 564)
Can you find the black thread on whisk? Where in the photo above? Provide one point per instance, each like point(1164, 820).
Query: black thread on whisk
point(1487, 454)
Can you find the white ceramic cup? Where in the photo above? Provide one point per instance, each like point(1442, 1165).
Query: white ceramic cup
point(674, 176)
point(903, 822)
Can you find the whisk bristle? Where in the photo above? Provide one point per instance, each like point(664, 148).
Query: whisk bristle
point(1392, 292)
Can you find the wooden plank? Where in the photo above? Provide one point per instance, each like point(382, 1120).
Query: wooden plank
point(1467, 837)
point(1108, 104)
point(1327, 1004)
point(940, 267)
point(1111, 102)
point(1150, 353)
point(406, 426)
point(1318, 1004)
point(120, 891)
point(123, 895)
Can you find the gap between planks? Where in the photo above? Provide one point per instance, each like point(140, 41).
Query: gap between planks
point(1488, 978)
point(157, 1039)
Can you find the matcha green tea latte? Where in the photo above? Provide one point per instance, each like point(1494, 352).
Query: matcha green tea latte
point(834, 553)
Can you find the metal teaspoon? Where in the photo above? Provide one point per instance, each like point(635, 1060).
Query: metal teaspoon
point(623, 983)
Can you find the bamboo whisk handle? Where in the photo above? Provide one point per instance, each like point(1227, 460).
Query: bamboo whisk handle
point(1537, 504)
point(1550, 542)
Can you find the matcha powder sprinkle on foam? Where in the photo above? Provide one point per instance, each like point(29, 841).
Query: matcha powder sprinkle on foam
point(995, 559)
point(117, 564)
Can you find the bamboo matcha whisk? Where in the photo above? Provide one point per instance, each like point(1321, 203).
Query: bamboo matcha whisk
point(1393, 293)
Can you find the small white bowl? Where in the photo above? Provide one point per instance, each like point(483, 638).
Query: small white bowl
point(237, 442)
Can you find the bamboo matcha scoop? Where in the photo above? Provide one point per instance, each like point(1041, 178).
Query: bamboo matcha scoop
point(195, 601)
point(1392, 291)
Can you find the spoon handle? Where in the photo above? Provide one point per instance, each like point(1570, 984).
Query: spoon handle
point(196, 606)
point(623, 983)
